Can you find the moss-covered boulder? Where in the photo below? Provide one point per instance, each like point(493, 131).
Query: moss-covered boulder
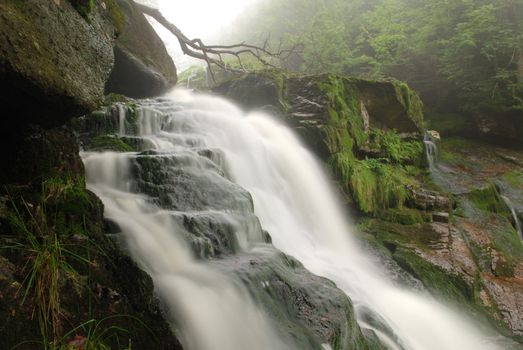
point(53, 57)
point(143, 68)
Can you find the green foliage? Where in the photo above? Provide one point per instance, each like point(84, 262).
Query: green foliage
point(345, 123)
point(47, 264)
point(461, 55)
point(411, 101)
point(396, 149)
point(374, 183)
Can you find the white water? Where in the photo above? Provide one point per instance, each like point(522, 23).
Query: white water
point(215, 312)
point(509, 204)
point(296, 205)
point(431, 151)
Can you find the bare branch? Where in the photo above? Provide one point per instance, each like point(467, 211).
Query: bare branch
point(213, 54)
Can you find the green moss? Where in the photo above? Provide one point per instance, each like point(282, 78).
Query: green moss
point(440, 282)
point(116, 15)
point(394, 148)
point(514, 178)
point(344, 107)
point(488, 199)
point(280, 78)
point(113, 98)
point(84, 7)
point(374, 183)
point(411, 102)
point(403, 216)
point(110, 143)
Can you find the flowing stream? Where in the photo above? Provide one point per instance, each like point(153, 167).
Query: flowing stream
point(515, 217)
point(225, 152)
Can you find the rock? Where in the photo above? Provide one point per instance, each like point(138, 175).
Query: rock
point(142, 68)
point(253, 91)
point(440, 217)
point(391, 105)
point(53, 62)
point(423, 199)
point(35, 154)
point(434, 135)
point(306, 104)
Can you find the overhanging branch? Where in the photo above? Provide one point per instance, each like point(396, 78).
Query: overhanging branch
point(213, 54)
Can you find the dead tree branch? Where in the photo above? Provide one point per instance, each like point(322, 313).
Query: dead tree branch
point(213, 54)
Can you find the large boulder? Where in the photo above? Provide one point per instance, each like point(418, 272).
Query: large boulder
point(53, 61)
point(143, 68)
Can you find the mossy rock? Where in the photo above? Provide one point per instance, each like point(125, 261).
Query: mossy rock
point(54, 58)
point(404, 216)
point(489, 199)
point(448, 286)
point(110, 143)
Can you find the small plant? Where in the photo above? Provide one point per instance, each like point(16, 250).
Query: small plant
point(97, 336)
point(45, 267)
point(38, 241)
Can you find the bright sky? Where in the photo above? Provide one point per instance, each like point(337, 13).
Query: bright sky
point(196, 19)
point(201, 18)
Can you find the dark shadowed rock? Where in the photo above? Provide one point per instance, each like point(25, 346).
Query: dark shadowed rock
point(500, 127)
point(143, 68)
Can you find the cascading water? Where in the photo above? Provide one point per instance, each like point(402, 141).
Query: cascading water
point(294, 203)
point(431, 151)
point(517, 222)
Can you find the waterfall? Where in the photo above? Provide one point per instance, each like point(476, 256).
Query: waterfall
point(295, 204)
point(431, 151)
point(517, 222)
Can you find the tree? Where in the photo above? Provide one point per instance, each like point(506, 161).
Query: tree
point(214, 54)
